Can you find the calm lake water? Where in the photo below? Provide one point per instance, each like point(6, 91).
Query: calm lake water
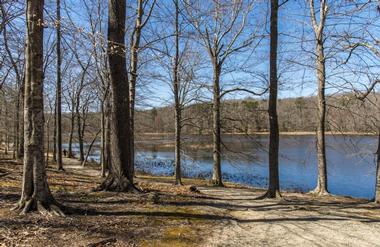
point(351, 161)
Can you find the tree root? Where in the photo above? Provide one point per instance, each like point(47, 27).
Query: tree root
point(270, 194)
point(26, 206)
point(216, 183)
point(111, 183)
point(319, 192)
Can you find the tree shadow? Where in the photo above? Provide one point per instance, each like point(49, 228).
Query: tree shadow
point(11, 197)
point(177, 215)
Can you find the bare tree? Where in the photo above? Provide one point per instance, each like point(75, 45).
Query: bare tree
point(222, 36)
point(95, 16)
point(120, 177)
point(35, 193)
point(318, 28)
point(140, 23)
point(274, 181)
point(59, 88)
point(177, 105)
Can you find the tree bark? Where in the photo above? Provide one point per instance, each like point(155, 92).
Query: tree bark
point(274, 181)
point(377, 196)
point(176, 87)
point(79, 129)
point(322, 186)
point(55, 131)
point(134, 62)
point(59, 88)
point(120, 177)
point(16, 125)
point(321, 145)
point(20, 147)
point(14, 135)
point(217, 170)
point(47, 142)
point(72, 124)
point(106, 165)
point(103, 139)
point(35, 193)
point(6, 132)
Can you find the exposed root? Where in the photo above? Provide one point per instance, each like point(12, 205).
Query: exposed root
point(270, 194)
point(318, 191)
point(122, 184)
point(26, 206)
point(56, 210)
point(216, 183)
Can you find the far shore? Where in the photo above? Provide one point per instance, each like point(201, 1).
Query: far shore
point(288, 133)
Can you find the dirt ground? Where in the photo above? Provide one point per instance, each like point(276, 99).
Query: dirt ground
point(167, 215)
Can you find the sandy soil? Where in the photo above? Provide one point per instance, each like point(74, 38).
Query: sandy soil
point(297, 220)
point(167, 215)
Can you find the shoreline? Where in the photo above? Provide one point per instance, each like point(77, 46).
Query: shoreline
point(283, 133)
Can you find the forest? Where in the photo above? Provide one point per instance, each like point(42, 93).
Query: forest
point(189, 123)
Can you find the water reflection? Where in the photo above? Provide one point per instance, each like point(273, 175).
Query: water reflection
point(351, 161)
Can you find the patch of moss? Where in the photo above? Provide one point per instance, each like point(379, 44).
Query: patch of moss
point(176, 236)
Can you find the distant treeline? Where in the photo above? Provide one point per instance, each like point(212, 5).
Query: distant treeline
point(345, 113)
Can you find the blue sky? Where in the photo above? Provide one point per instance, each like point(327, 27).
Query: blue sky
point(249, 68)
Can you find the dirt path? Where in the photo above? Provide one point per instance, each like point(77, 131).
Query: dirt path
point(300, 220)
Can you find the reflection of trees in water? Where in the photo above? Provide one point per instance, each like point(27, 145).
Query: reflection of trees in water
point(362, 148)
point(252, 149)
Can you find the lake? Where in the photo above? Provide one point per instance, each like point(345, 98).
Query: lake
point(351, 161)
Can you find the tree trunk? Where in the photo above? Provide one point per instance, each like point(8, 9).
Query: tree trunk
point(84, 119)
point(120, 177)
point(20, 147)
point(274, 181)
point(16, 127)
point(90, 147)
point(79, 130)
point(59, 88)
point(108, 139)
point(217, 170)
point(132, 90)
point(103, 139)
point(177, 103)
point(47, 142)
point(55, 131)
point(6, 132)
point(72, 124)
point(35, 193)
point(178, 174)
point(132, 135)
point(321, 188)
point(377, 196)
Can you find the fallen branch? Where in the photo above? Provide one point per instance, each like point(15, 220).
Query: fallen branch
point(90, 147)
